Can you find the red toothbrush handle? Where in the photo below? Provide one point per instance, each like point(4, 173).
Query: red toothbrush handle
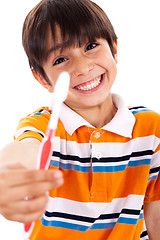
point(46, 149)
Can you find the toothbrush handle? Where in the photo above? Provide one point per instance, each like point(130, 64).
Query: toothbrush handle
point(46, 149)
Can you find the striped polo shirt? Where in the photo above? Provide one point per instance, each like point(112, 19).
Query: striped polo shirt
point(109, 173)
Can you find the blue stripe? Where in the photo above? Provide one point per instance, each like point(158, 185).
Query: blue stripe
point(37, 114)
point(77, 227)
point(139, 163)
point(119, 168)
point(64, 225)
point(54, 163)
point(103, 225)
point(153, 178)
point(141, 110)
point(69, 166)
point(141, 216)
point(124, 220)
point(109, 168)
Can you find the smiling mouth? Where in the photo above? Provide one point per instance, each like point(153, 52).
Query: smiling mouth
point(90, 84)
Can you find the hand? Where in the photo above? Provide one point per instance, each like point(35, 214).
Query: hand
point(17, 184)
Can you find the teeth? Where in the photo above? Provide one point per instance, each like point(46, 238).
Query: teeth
point(91, 85)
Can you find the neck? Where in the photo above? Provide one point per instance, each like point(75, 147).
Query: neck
point(100, 115)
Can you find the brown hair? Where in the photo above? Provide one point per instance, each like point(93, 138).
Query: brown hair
point(78, 20)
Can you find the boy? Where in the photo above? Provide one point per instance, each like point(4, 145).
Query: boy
point(104, 169)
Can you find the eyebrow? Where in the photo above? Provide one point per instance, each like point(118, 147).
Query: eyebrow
point(52, 50)
point(58, 47)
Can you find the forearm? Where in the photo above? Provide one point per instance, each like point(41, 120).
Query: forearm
point(152, 219)
point(153, 229)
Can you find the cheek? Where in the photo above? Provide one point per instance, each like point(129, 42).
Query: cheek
point(52, 76)
point(70, 96)
point(109, 63)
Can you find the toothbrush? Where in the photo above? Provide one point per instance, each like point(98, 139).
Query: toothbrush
point(59, 96)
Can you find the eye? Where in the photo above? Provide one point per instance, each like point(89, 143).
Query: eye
point(60, 60)
point(91, 46)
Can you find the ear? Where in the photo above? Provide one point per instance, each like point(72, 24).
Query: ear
point(115, 50)
point(42, 81)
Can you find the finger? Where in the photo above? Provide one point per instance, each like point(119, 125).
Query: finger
point(23, 176)
point(26, 218)
point(26, 207)
point(31, 190)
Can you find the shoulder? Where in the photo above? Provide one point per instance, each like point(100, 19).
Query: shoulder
point(34, 124)
point(38, 115)
point(43, 111)
point(145, 113)
point(146, 119)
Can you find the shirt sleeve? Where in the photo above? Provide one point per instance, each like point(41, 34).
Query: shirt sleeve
point(34, 125)
point(153, 187)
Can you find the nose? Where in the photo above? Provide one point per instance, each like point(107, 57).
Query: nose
point(82, 65)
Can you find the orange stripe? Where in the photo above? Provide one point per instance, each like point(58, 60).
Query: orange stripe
point(105, 186)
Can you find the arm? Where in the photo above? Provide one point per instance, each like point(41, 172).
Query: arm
point(19, 179)
point(24, 152)
point(152, 218)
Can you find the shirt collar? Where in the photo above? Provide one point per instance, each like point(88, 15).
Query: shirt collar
point(122, 123)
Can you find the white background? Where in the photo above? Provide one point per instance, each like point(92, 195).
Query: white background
point(136, 23)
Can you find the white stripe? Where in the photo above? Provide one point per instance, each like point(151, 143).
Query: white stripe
point(123, 149)
point(144, 229)
point(155, 160)
point(110, 164)
point(153, 174)
point(96, 164)
point(75, 207)
point(71, 162)
point(22, 130)
point(92, 209)
point(71, 148)
point(80, 222)
point(83, 150)
point(112, 220)
point(129, 216)
point(144, 238)
point(134, 159)
point(66, 220)
point(140, 158)
point(138, 108)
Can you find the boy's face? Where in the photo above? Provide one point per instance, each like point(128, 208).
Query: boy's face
point(92, 69)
